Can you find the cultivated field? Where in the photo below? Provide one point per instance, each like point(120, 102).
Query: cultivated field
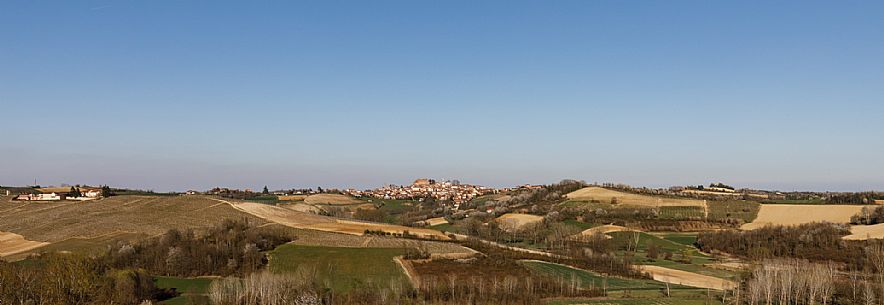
point(603, 195)
point(866, 232)
point(589, 279)
point(795, 214)
point(303, 220)
point(605, 229)
point(11, 243)
point(686, 278)
point(515, 221)
point(301, 207)
point(322, 238)
point(331, 199)
point(76, 223)
point(436, 221)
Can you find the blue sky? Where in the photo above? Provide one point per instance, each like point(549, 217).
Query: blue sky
point(176, 95)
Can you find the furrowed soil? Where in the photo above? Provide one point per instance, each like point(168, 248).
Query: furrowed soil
point(81, 223)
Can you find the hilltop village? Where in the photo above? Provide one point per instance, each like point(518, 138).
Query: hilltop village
point(453, 191)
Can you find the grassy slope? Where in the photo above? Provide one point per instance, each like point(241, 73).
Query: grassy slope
point(580, 224)
point(698, 259)
point(622, 291)
point(588, 279)
point(344, 268)
point(739, 209)
point(191, 289)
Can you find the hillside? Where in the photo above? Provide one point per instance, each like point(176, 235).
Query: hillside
point(795, 214)
point(603, 195)
point(88, 224)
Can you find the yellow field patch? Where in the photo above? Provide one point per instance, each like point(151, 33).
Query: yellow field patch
point(861, 232)
point(796, 214)
point(292, 197)
point(11, 243)
point(515, 221)
point(605, 229)
point(686, 278)
point(604, 195)
point(436, 221)
point(331, 199)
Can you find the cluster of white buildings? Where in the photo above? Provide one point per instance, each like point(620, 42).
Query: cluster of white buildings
point(422, 188)
point(61, 193)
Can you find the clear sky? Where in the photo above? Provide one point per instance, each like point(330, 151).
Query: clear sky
point(176, 95)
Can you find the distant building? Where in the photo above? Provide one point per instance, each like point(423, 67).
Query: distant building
point(61, 193)
point(40, 197)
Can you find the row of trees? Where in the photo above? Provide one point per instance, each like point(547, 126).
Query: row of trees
point(854, 198)
point(791, 282)
point(813, 241)
point(868, 216)
point(69, 279)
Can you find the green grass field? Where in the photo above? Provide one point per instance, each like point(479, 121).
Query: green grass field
point(192, 290)
point(394, 206)
point(665, 212)
point(589, 279)
point(445, 227)
point(737, 209)
point(342, 268)
point(681, 213)
point(645, 240)
point(676, 243)
point(580, 224)
point(623, 291)
point(686, 239)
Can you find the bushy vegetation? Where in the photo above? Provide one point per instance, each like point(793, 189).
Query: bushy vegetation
point(868, 216)
point(230, 248)
point(814, 241)
point(65, 279)
point(854, 198)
